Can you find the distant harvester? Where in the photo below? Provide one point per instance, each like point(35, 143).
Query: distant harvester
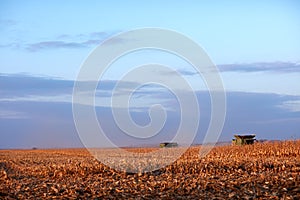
point(168, 144)
point(243, 139)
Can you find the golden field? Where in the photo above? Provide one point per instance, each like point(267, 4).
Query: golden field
point(259, 171)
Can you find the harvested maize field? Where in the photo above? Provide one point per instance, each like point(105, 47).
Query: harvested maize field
point(258, 171)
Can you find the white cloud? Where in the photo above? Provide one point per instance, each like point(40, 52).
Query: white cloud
point(292, 105)
point(38, 98)
point(9, 114)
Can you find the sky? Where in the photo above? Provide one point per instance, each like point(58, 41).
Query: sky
point(43, 44)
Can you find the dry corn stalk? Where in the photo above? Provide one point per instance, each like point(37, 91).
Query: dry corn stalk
point(268, 170)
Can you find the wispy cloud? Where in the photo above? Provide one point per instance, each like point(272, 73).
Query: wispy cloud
point(86, 36)
point(13, 45)
point(181, 71)
point(291, 105)
point(20, 85)
point(274, 67)
point(11, 114)
point(39, 98)
point(25, 88)
point(53, 45)
point(67, 41)
point(278, 67)
point(63, 41)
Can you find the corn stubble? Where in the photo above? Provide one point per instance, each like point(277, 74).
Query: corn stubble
point(259, 171)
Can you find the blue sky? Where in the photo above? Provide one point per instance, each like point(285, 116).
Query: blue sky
point(255, 44)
